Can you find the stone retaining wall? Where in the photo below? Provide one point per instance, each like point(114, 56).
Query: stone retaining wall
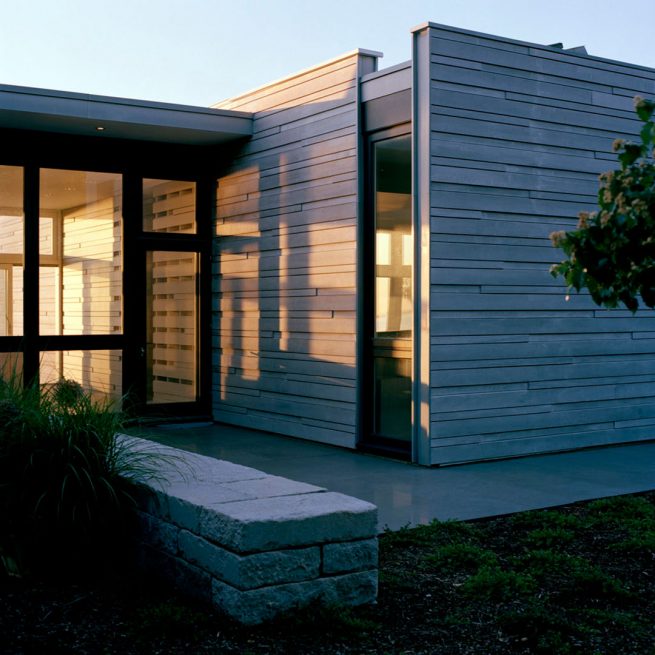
point(255, 545)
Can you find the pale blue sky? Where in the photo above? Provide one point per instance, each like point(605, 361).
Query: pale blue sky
point(201, 51)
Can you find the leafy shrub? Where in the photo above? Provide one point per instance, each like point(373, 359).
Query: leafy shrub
point(622, 508)
point(543, 628)
point(575, 578)
point(612, 252)
point(65, 493)
point(435, 533)
point(493, 583)
point(546, 519)
point(549, 538)
point(637, 545)
point(464, 558)
point(333, 619)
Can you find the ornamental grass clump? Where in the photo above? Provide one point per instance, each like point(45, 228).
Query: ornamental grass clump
point(65, 479)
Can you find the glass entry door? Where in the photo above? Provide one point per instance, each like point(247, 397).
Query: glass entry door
point(171, 299)
point(392, 312)
point(171, 326)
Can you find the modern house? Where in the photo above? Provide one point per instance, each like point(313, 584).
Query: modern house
point(349, 255)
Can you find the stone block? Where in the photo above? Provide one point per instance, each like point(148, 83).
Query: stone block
point(350, 556)
point(193, 581)
point(174, 465)
point(184, 514)
point(251, 571)
point(352, 589)
point(207, 494)
point(256, 545)
point(272, 486)
point(264, 604)
point(286, 521)
point(259, 605)
point(158, 533)
point(150, 500)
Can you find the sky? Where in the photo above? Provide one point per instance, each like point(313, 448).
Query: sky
point(198, 52)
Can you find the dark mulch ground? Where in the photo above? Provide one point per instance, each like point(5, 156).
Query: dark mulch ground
point(579, 579)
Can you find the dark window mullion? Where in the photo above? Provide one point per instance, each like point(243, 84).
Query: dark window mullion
point(31, 275)
point(134, 282)
point(205, 219)
point(80, 342)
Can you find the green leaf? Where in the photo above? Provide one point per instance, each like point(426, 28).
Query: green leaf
point(645, 109)
point(630, 154)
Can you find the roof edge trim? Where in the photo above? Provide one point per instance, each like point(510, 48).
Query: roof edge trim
point(346, 55)
point(528, 44)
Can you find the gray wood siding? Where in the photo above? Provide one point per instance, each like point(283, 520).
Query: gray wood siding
point(519, 134)
point(285, 260)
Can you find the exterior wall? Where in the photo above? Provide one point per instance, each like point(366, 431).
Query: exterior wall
point(285, 273)
point(519, 134)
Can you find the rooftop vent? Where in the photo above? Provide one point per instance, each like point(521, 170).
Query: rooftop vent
point(578, 50)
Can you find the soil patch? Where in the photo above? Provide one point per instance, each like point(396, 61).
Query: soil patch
point(578, 579)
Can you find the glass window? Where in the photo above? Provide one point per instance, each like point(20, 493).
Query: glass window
point(81, 255)
point(393, 238)
point(169, 206)
point(171, 306)
point(11, 251)
point(392, 339)
point(11, 367)
point(96, 371)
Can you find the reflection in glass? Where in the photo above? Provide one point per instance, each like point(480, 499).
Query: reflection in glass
point(97, 371)
point(169, 206)
point(11, 251)
point(392, 343)
point(11, 367)
point(80, 253)
point(171, 297)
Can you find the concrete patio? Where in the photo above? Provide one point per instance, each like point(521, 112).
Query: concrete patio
point(409, 495)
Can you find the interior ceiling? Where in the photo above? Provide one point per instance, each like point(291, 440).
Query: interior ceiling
point(60, 189)
point(11, 186)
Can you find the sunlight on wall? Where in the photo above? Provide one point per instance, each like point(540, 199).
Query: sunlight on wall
point(285, 278)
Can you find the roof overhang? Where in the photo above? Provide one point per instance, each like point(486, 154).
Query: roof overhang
point(82, 114)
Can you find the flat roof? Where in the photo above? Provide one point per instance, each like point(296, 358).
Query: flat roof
point(91, 115)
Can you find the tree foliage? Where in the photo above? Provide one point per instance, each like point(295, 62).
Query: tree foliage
point(612, 251)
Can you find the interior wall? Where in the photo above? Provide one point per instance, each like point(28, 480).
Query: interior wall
point(519, 134)
point(91, 291)
point(285, 293)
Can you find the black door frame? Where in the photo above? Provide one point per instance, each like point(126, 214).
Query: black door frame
point(369, 441)
point(137, 243)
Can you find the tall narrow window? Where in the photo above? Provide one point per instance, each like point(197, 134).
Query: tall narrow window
point(171, 326)
point(80, 273)
point(80, 254)
point(393, 304)
point(11, 251)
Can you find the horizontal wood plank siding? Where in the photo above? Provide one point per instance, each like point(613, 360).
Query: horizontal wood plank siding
point(285, 260)
point(519, 134)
